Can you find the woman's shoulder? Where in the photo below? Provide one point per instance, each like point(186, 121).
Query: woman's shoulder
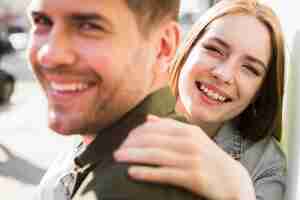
point(263, 158)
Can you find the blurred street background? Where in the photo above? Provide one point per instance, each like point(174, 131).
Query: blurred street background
point(27, 146)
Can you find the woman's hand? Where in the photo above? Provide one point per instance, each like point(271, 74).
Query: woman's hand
point(183, 155)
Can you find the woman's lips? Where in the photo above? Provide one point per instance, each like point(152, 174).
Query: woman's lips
point(212, 93)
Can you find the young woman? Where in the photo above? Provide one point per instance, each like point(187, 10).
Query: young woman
point(228, 80)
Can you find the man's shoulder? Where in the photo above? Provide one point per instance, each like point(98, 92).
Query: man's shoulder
point(178, 117)
point(112, 182)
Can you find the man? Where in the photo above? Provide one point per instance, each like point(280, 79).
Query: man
point(102, 64)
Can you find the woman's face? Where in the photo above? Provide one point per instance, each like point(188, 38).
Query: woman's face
point(225, 69)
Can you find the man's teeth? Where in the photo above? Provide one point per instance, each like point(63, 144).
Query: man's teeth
point(212, 94)
point(73, 87)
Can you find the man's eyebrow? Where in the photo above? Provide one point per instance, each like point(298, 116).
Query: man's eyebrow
point(88, 17)
point(33, 13)
point(256, 60)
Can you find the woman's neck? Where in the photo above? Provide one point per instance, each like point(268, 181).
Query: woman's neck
point(211, 129)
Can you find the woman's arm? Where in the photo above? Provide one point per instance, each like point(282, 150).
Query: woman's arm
point(183, 155)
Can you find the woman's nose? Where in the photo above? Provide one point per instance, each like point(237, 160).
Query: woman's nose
point(224, 72)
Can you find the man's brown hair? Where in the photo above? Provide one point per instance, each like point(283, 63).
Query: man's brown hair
point(150, 12)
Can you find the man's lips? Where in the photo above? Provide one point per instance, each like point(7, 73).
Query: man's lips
point(68, 91)
point(68, 87)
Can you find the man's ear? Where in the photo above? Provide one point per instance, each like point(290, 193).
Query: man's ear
point(169, 42)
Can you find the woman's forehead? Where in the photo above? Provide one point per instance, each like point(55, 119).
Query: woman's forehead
point(244, 33)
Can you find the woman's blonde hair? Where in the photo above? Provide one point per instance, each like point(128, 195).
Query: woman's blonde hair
point(263, 117)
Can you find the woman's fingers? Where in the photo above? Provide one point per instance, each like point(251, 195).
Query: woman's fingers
point(166, 175)
point(151, 156)
point(163, 175)
point(162, 141)
point(165, 126)
point(153, 118)
point(174, 153)
point(166, 134)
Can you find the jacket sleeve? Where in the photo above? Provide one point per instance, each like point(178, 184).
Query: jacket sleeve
point(271, 186)
point(113, 183)
point(266, 164)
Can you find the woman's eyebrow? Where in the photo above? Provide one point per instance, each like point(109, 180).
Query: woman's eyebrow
point(256, 60)
point(220, 41)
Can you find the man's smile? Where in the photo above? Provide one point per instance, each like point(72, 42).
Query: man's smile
point(68, 90)
point(70, 87)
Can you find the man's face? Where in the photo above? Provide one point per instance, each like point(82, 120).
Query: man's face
point(91, 60)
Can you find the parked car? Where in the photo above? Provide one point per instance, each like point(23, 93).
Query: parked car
point(7, 81)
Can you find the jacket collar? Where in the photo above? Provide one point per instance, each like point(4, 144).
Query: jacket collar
point(229, 139)
point(160, 103)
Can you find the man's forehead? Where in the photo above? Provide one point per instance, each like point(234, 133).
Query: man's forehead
point(85, 6)
point(103, 11)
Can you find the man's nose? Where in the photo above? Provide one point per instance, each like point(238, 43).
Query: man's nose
point(57, 50)
point(225, 72)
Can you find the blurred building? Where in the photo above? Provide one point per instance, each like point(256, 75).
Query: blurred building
point(191, 10)
point(12, 13)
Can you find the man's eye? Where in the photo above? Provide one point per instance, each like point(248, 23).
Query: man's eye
point(90, 26)
point(41, 24)
point(42, 21)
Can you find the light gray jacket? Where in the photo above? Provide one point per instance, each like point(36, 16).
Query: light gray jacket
point(264, 160)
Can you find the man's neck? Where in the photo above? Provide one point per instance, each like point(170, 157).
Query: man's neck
point(89, 138)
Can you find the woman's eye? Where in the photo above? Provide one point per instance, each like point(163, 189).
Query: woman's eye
point(251, 69)
point(214, 49)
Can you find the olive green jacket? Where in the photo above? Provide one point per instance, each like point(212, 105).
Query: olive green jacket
point(98, 176)
point(108, 180)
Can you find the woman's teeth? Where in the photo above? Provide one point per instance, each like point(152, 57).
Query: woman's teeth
point(211, 94)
